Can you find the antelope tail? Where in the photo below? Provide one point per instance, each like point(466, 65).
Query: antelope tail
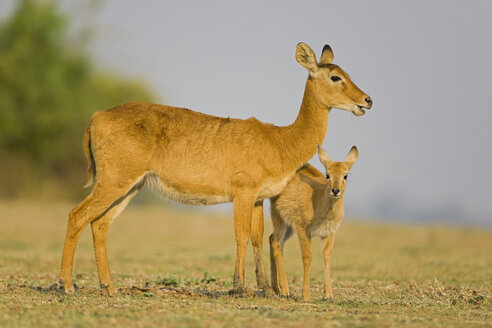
point(91, 169)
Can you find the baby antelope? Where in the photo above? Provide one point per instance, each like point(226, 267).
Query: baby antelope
point(311, 205)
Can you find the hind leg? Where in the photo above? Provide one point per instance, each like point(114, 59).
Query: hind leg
point(281, 232)
point(77, 221)
point(95, 205)
point(100, 229)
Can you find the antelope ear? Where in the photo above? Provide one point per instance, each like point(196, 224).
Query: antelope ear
point(323, 157)
point(305, 56)
point(352, 157)
point(326, 55)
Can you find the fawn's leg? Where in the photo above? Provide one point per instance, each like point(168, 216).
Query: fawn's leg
point(257, 242)
point(305, 244)
point(277, 239)
point(327, 244)
point(273, 267)
point(243, 209)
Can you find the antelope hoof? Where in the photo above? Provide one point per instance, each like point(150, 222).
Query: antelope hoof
point(284, 293)
point(61, 287)
point(108, 291)
point(266, 293)
point(269, 293)
point(239, 291)
point(328, 299)
point(266, 290)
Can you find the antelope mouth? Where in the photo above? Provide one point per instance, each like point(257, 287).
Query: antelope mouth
point(359, 110)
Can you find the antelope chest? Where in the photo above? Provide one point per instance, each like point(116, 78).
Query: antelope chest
point(324, 226)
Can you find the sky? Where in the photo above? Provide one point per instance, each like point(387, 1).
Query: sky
point(424, 150)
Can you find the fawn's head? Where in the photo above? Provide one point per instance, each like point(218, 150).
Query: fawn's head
point(334, 88)
point(337, 172)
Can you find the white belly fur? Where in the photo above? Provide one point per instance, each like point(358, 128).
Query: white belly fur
point(171, 193)
point(155, 183)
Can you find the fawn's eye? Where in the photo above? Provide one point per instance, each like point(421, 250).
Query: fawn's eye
point(335, 78)
point(345, 177)
point(327, 176)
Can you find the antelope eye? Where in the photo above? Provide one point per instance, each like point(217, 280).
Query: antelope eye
point(335, 78)
point(327, 176)
point(345, 177)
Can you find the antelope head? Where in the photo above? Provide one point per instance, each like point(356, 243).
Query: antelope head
point(333, 87)
point(337, 172)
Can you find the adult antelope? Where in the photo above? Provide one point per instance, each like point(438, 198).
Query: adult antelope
point(196, 158)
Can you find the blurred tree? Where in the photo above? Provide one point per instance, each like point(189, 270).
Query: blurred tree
point(48, 92)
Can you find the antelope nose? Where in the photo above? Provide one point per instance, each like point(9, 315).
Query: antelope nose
point(368, 101)
point(335, 191)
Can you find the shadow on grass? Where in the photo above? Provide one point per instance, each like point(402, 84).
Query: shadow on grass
point(177, 292)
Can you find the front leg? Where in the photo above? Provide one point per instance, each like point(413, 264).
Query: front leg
point(243, 209)
point(257, 242)
point(280, 234)
point(305, 244)
point(327, 244)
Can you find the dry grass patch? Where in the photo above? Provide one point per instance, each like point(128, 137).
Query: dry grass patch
point(174, 268)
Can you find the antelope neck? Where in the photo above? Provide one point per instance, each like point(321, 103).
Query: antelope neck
point(309, 129)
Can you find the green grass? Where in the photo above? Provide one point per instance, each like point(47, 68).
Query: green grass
point(173, 268)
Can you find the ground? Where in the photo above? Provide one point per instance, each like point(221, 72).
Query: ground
point(173, 267)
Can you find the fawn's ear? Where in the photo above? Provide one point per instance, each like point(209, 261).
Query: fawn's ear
point(305, 56)
point(323, 157)
point(326, 55)
point(352, 157)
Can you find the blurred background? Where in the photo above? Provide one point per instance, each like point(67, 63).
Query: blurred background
point(424, 147)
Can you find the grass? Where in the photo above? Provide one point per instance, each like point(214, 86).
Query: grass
point(174, 267)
